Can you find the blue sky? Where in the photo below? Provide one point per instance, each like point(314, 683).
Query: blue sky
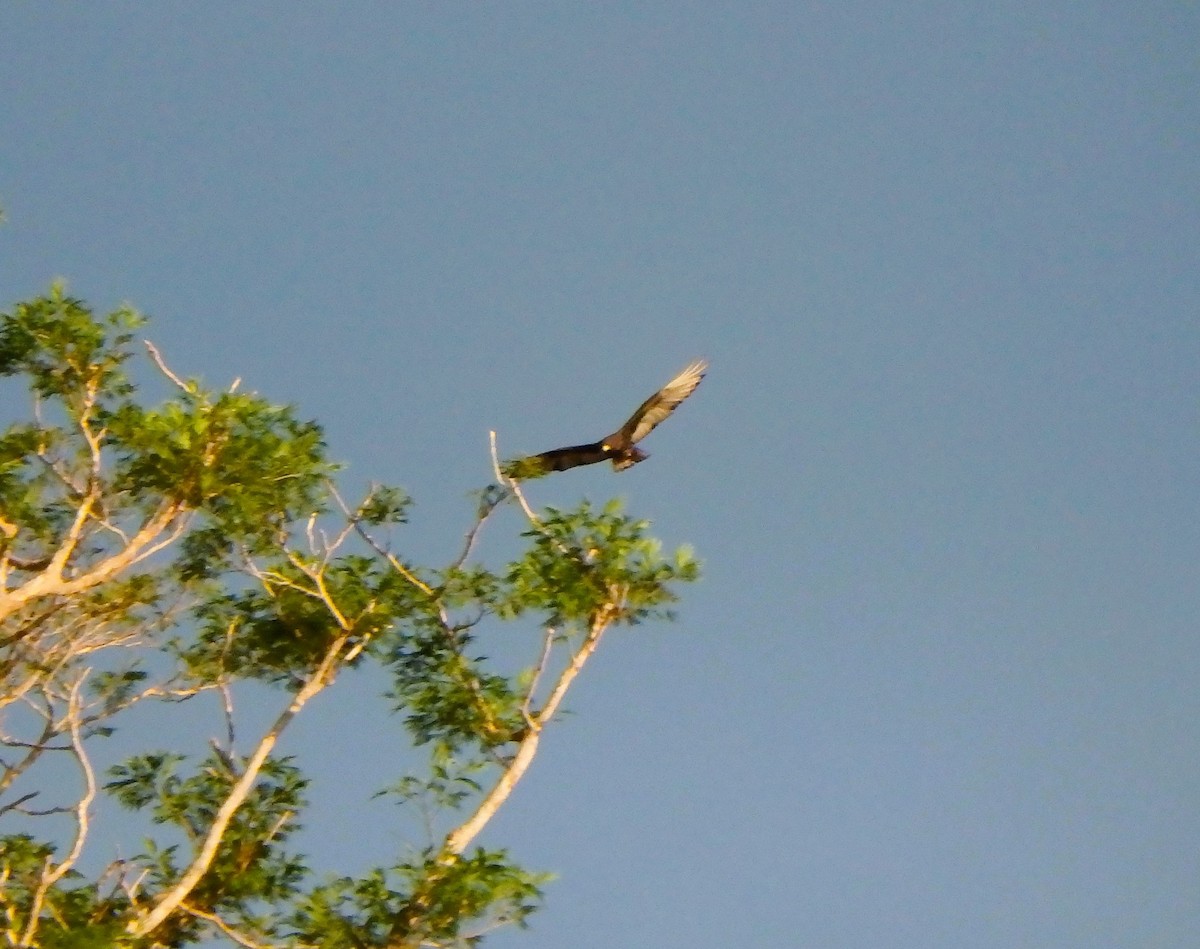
point(938, 687)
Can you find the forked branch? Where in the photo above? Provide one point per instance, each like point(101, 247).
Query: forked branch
point(461, 837)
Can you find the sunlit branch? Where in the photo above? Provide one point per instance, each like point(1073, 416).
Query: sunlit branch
point(166, 371)
point(157, 533)
point(321, 677)
point(239, 937)
point(511, 483)
point(543, 660)
point(462, 836)
point(391, 558)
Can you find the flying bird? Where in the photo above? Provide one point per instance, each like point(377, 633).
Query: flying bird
point(619, 446)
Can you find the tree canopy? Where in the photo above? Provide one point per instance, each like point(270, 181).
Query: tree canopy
point(153, 553)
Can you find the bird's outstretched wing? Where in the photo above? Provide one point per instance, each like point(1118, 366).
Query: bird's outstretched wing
point(560, 459)
point(617, 447)
point(665, 401)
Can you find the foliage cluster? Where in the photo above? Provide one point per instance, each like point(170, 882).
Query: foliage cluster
point(153, 553)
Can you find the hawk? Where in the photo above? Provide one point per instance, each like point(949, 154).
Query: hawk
point(619, 446)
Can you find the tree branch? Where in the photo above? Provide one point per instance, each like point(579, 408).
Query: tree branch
point(173, 898)
point(239, 937)
point(374, 545)
point(165, 370)
point(461, 837)
point(145, 543)
point(52, 874)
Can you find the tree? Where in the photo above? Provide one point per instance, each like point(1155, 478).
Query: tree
point(149, 554)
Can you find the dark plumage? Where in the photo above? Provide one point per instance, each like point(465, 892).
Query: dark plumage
point(619, 446)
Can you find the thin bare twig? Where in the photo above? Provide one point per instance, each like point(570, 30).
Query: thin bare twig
point(33, 751)
point(511, 483)
point(52, 874)
point(166, 371)
point(488, 503)
point(227, 709)
point(543, 661)
point(375, 546)
point(16, 804)
point(515, 487)
point(239, 937)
